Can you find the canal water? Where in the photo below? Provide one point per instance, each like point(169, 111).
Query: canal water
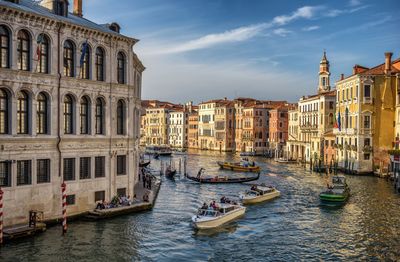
point(292, 227)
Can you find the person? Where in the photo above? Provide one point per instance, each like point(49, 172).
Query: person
point(199, 173)
point(223, 199)
point(253, 188)
point(101, 205)
point(205, 206)
point(146, 197)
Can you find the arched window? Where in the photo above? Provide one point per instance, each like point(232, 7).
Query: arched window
point(85, 61)
point(22, 113)
point(4, 47)
point(41, 114)
point(24, 50)
point(68, 115)
point(42, 53)
point(99, 116)
point(121, 68)
point(69, 61)
point(84, 115)
point(120, 117)
point(99, 64)
point(4, 106)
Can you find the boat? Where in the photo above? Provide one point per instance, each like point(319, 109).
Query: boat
point(162, 150)
point(242, 166)
point(212, 218)
point(143, 163)
point(247, 154)
point(221, 179)
point(338, 192)
point(285, 160)
point(170, 172)
point(258, 193)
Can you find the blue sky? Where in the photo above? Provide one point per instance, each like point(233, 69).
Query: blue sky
point(200, 50)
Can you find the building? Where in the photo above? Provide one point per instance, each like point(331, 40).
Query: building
point(156, 125)
point(224, 126)
point(294, 135)
point(315, 120)
point(278, 129)
point(71, 118)
point(178, 128)
point(366, 110)
point(193, 130)
point(206, 124)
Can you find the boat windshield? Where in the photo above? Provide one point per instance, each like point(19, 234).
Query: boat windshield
point(207, 213)
point(227, 209)
point(251, 193)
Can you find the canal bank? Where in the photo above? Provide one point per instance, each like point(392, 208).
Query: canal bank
point(291, 228)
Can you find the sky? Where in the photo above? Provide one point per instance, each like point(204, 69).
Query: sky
point(207, 49)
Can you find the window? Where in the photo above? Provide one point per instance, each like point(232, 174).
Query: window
point(99, 166)
point(85, 61)
point(4, 47)
point(5, 173)
point(367, 121)
point(120, 117)
point(69, 60)
point(68, 115)
point(367, 142)
point(43, 171)
point(22, 113)
point(367, 91)
point(121, 165)
point(121, 68)
point(330, 105)
point(99, 64)
point(4, 106)
point(69, 169)
point(366, 156)
point(41, 111)
point(24, 172)
point(84, 168)
point(323, 81)
point(42, 54)
point(99, 196)
point(84, 115)
point(99, 116)
point(24, 50)
point(121, 191)
point(70, 199)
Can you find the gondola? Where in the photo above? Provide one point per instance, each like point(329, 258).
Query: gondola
point(170, 172)
point(242, 166)
point(144, 163)
point(156, 156)
point(222, 179)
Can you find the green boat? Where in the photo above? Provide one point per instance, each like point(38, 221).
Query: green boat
point(338, 192)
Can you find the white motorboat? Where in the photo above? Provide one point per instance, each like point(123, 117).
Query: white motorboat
point(212, 218)
point(259, 194)
point(162, 150)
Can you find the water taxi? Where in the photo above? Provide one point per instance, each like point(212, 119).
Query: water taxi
point(212, 218)
point(162, 150)
point(242, 166)
point(258, 194)
point(337, 192)
point(234, 178)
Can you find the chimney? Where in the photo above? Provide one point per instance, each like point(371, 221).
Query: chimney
point(78, 8)
point(388, 62)
point(341, 76)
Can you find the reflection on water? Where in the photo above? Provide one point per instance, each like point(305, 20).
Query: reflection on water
point(292, 227)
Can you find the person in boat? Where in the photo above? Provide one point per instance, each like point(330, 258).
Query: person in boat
point(205, 206)
point(101, 205)
point(146, 197)
point(223, 199)
point(214, 205)
point(199, 173)
point(253, 188)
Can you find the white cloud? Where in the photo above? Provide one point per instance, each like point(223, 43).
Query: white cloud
point(354, 2)
point(311, 28)
point(230, 36)
point(306, 12)
point(337, 12)
point(281, 32)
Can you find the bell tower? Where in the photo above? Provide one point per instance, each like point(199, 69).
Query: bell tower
point(324, 75)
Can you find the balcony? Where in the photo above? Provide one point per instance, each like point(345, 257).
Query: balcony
point(344, 131)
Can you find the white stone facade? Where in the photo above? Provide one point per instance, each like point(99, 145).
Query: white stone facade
point(23, 193)
point(178, 125)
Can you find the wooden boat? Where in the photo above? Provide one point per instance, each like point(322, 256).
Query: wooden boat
point(162, 150)
point(212, 218)
point(259, 194)
point(143, 163)
point(222, 179)
point(21, 231)
point(242, 166)
point(170, 172)
point(285, 161)
point(339, 192)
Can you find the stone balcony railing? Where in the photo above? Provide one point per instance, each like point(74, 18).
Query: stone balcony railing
point(344, 131)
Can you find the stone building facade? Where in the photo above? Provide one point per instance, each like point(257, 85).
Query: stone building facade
point(69, 109)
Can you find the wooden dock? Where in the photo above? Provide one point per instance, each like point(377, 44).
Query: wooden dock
point(20, 231)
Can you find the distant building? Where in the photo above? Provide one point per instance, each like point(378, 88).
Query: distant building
point(69, 109)
point(193, 130)
point(177, 126)
point(278, 128)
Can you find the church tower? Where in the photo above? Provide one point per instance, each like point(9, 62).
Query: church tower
point(324, 75)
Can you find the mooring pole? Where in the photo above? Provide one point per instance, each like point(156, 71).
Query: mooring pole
point(1, 216)
point(64, 207)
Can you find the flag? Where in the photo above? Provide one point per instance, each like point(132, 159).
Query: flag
point(335, 124)
point(339, 122)
point(83, 54)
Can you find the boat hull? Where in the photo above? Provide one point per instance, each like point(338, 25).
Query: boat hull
point(233, 167)
point(219, 221)
point(259, 199)
point(334, 198)
point(222, 180)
